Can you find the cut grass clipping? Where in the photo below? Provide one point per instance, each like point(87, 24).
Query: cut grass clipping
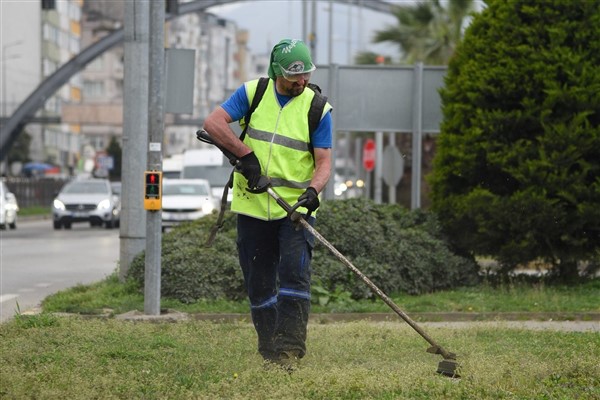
point(48, 357)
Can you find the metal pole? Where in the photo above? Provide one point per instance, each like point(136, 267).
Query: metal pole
point(349, 38)
point(313, 35)
point(361, 46)
point(156, 112)
point(330, 46)
point(378, 166)
point(416, 137)
point(135, 132)
point(226, 76)
point(391, 188)
point(304, 20)
point(332, 89)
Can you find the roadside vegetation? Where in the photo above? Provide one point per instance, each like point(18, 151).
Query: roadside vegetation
point(49, 357)
point(516, 173)
point(110, 297)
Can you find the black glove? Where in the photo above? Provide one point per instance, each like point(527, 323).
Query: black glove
point(250, 168)
point(312, 199)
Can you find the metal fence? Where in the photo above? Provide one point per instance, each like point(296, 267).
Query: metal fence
point(31, 192)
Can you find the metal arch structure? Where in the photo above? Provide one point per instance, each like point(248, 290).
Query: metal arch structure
point(26, 110)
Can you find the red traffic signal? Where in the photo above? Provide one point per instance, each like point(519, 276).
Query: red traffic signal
point(152, 189)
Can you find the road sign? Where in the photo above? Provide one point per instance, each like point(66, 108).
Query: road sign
point(369, 155)
point(393, 166)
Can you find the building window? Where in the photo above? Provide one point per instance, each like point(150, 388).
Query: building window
point(93, 88)
point(97, 64)
point(48, 4)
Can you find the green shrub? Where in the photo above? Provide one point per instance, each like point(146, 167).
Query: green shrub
point(517, 170)
point(399, 250)
point(190, 270)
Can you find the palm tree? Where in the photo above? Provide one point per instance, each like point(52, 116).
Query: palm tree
point(427, 31)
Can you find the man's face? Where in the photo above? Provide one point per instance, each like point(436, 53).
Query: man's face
point(289, 88)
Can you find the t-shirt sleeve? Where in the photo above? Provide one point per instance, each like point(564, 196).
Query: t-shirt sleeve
point(321, 137)
point(237, 104)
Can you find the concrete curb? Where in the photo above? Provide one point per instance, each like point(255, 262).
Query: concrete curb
point(547, 321)
point(564, 322)
point(446, 317)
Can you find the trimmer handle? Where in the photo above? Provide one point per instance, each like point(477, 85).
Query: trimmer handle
point(203, 136)
point(263, 184)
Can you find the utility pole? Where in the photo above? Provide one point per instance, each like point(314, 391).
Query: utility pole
point(135, 132)
point(313, 32)
point(330, 46)
point(156, 112)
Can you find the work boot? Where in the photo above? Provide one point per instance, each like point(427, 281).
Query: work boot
point(288, 360)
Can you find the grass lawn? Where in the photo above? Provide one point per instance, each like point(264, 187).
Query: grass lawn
point(49, 357)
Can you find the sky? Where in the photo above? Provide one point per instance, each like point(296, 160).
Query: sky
point(268, 21)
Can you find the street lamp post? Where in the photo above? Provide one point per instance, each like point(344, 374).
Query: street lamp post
point(4, 59)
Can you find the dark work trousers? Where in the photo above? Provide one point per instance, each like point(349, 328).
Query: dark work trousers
point(275, 259)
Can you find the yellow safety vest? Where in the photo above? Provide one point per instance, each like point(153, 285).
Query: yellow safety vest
point(279, 136)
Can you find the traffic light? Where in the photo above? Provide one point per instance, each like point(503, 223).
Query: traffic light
point(152, 190)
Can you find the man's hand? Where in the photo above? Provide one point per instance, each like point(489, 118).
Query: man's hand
point(311, 197)
point(250, 168)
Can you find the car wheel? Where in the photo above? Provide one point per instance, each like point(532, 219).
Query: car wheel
point(67, 225)
point(13, 225)
point(56, 225)
point(109, 224)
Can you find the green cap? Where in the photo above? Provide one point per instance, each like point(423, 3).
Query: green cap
point(292, 55)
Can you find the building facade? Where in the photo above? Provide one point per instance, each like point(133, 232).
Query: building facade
point(37, 38)
point(92, 101)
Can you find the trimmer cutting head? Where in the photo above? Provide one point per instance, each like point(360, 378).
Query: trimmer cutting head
point(448, 367)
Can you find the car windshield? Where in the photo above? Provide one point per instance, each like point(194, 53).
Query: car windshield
point(216, 175)
point(185, 190)
point(86, 188)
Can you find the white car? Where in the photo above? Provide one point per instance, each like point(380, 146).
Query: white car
point(86, 200)
point(8, 208)
point(186, 200)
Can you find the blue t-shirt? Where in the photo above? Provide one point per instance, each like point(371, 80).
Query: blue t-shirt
point(237, 106)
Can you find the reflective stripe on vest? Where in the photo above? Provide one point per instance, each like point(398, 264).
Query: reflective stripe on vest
point(279, 136)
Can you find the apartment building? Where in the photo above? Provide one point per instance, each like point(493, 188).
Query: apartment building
point(37, 38)
point(40, 36)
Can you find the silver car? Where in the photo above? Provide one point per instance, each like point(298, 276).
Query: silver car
point(186, 200)
point(86, 200)
point(8, 208)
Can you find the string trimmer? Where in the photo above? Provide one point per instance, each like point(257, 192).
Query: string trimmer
point(448, 366)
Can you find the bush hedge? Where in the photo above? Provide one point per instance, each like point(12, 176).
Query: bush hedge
point(398, 249)
point(517, 169)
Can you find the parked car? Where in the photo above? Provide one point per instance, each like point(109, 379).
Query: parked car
point(186, 200)
point(8, 208)
point(86, 200)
